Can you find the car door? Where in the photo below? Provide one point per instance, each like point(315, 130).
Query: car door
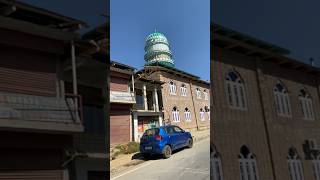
point(181, 138)
point(173, 137)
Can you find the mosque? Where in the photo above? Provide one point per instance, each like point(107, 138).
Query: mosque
point(176, 97)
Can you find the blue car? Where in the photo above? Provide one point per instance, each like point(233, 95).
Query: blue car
point(163, 140)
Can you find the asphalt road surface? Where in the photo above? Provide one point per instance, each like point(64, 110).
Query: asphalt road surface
point(187, 164)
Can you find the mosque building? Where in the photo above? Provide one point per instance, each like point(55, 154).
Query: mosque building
point(176, 97)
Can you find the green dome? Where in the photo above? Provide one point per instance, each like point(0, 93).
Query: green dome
point(156, 35)
point(157, 50)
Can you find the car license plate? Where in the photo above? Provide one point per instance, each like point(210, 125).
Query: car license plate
point(148, 148)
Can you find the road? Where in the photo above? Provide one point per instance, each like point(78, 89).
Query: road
point(187, 164)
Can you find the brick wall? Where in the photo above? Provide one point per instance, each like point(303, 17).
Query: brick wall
point(189, 101)
point(233, 128)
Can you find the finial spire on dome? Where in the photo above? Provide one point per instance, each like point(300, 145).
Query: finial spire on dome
point(155, 30)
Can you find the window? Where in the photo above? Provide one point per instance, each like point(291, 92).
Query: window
point(306, 105)
point(169, 130)
point(187, 114)
point(183, 89)
point(205, 94)
point(312, 144)
point(316, 167)
point(208, 112)
point(248, 165)
point(282, 100)
point(172, 88)
point(295, 165)
point(198, 93)
point(215, 167)
point(201, 114)
point(175, 114)
point(235, 91)
point(177, 129)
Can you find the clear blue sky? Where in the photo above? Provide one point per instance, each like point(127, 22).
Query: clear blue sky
point(186, 24)
point(293, 25)
point(89, 11)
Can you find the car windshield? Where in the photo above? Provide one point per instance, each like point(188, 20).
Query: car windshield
point(152, 132)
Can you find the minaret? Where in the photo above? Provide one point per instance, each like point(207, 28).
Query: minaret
point(157, 50)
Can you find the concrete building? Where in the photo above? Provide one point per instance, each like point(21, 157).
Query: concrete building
point(89, 155)
point(146, 112)
point(46, 132)
point(122, 99)
point(265, 111)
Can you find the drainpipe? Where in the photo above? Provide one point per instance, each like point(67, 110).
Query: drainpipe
point(74, 77)
point(194, 107)
point(263, 107)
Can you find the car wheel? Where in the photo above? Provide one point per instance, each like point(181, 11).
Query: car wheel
point(190, 143)
point(167, 151)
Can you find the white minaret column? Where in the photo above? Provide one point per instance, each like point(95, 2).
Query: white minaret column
point(156, 99)
point(135, 127)
point(145, 97)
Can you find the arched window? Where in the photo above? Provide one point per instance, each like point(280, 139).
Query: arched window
point(235, 91)
point(306, 105)
point(201, 114)
point(198, 92)
point(248, 165)
point(205, 94)
point(172, 88)
point(282, 100)
point(183, 90)
point(316, 167)
point(295, 165)
point(215, 167)
point(206, 109)
point(175, 114)
point(187, 114)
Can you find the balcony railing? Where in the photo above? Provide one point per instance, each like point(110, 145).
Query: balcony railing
point(59, 112)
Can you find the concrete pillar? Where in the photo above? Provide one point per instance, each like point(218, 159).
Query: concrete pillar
point(131, 128)
point(156, 99)
point(145, 96)
point(135, 127)
point(74, 80)
point(132, 81)
point(160, 120)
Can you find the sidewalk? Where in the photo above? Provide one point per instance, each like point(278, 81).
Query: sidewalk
point(124, 161)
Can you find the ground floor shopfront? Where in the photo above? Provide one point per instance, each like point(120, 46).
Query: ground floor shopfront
point(120, 123)
point(143, 120)
point(35, 156)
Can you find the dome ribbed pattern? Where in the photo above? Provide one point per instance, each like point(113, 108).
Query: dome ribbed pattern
point(157, 50)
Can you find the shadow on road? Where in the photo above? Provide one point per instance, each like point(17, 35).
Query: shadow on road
point(138, 156)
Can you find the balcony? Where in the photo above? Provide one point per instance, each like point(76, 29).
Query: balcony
point(122, 97)
point(39, 113)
